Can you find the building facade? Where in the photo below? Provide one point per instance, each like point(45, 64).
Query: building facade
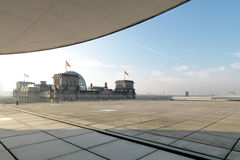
point(71, 86)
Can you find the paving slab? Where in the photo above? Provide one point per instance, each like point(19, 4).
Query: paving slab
point(237, 147)
point(82, 122)
point(129, 132)
point(7, 121)
point(45, 150)
point(68, 132)
point(143, 126)
point(5, 155)
point(229, 121)
point(234, 156)
point(40, 122)
point(90, 139)
point(214, 140)
point(13, 126)
point(19, 115)
point(20, 131)
point(163, 155)
point(201, 148)
point(133, 120)
point(156, 138)
point(220, 127)
point(120, 122)
point(81, 155)
point(181, 117)
point(190, 125)
point(235, 135)
point(2, 148)
point(122, 150)
point(46, 127)
point(17, 141)
point(101, 126)
point(30, 119)
point(150, 125)
point(171, 133)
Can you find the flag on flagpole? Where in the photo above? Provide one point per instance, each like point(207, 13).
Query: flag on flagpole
point(125, 74)
point(25, 75)
point(67, 64)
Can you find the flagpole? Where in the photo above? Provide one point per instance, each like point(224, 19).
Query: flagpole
point(65, 65)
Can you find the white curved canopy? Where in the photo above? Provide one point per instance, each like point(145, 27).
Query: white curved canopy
point(34, 25)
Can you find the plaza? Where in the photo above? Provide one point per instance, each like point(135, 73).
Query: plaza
point(207, 128)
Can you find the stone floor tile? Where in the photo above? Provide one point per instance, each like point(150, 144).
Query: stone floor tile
point(62, 133)
point(79, 121)
point(156, 138)
point(120, 122)
point(128, 132)
point(17, 116)
point(221, 133)
point(189, 125)
point(7, 120)
point(101, 126)
point(42, 122)
point(197, 115)
point(122, 150)
point(237, 147)
point(13, 126)
point(221, 127)
point(52, 126)
point(171, 133)
point(45, 150)
point(163, 155)
point(5, 155)
point(81, 155)
point(23, 140)
point(1, 148)
point(214, 140)
point(15, 132)
point(90, 139)
point(142, 126)
point(234, 156)
point(30, 119)
point(201, 148)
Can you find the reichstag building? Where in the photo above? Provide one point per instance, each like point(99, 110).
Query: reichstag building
point(71, 86)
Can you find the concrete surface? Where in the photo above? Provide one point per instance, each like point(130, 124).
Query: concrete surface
point(81, 155)
point(161, 155)
point(208, 127)
point(89, 140)
point(234, 156)
point(5, 155)
point(122, 150)
point(25, 139)
point(237, 147)
point(202, 148)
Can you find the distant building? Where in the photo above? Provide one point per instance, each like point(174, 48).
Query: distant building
point(31, 92)
point(186, 93)
point(71, 86)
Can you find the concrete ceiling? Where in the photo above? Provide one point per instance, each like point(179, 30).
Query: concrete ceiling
point(35, 25)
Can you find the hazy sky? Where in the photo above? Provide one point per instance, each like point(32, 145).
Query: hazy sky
point(195, 48)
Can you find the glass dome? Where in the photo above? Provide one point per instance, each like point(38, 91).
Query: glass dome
point(82, 82)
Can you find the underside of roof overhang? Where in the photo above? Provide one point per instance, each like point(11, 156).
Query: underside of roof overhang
point(36, 25)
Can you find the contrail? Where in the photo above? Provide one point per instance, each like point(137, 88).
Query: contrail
point(157, 52)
